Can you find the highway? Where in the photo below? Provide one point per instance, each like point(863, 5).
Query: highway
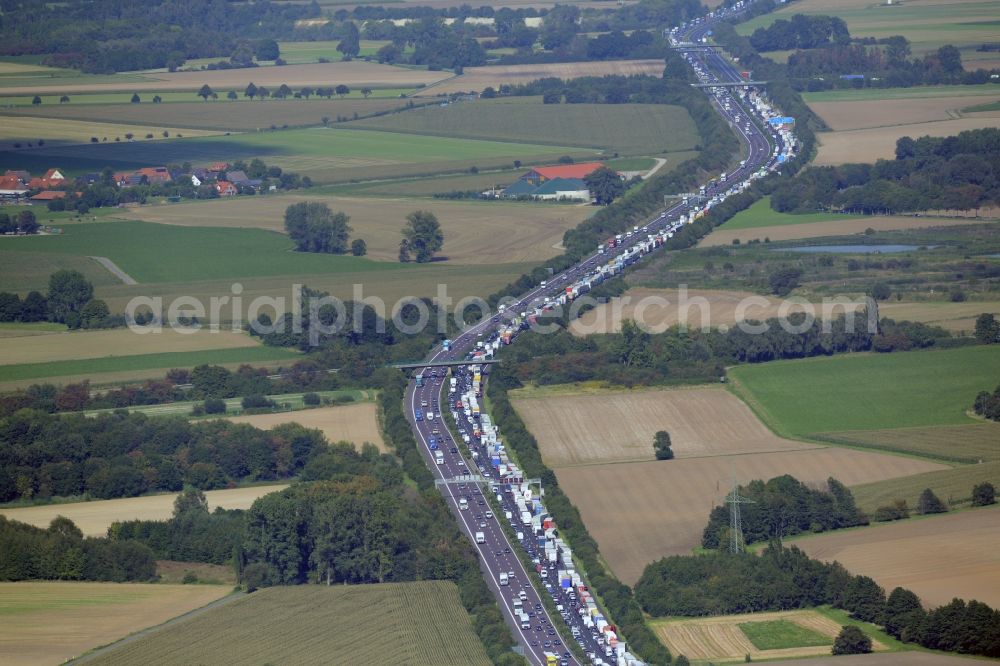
point(443, 455)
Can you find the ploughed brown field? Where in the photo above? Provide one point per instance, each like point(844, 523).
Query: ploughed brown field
point(939, 557)
point(619, 426)
point(642, 511)
point(848, 225)
point(478, 78)
point(354, 73)
point(869, 145)
point(348, 423)
point(49, 622)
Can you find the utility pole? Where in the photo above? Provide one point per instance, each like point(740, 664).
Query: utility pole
point(734, 499)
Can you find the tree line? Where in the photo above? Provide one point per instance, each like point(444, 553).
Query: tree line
point(125, 455)
point(61, 552)
point(782, 507)
point(782, 578)
point(70, 301)
point(987, 404)
point(959, 172)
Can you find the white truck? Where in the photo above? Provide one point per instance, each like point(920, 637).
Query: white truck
point(463, 504)
point(480, 537)
point(439, 457)
point(503, 578)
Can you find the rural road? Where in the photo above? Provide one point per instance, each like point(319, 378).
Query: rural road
point(117, 272)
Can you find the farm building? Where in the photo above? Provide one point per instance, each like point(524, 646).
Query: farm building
point(52, 178)
point(49, 195)
point(13, 185)
point(226, 189)
point(551, 190)
point(539, 175)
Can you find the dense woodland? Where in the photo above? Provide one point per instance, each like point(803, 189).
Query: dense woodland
point(784, 506)
point(62, 553)
point(955, 173)
point(783, 578)
point(124, 455)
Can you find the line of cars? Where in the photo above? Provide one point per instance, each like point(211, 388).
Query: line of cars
point(518, 502)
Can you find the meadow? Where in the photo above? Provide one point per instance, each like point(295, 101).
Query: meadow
point(414, 623)
point(760, 214)
point(912, 93)
point(50, 622)
point(868, 391)
point(478, 78)
point(327, 154)
point(94, 518)
point(971, 443)
point(953, 486)
point(626, 129)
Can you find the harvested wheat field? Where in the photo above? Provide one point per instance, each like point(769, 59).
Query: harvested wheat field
point(667, 502)
point(656, 310)
point(860, 114)
point(939, 557)
point(849, 225)
point(345, 423)
point(910, 658)
point(94, 518)
point(720, 637)
point(619, 426)
point(954, 317)
point(475, 232)
point(869, 145)
point(74, 345)
point(478, 78)
point(394, 623)
point(53, 621)
point(354, 73)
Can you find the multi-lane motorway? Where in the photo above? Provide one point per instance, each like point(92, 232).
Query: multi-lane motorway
point(538, 637)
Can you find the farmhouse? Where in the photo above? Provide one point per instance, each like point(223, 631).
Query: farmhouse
point(539, 175)
point(49, 195)
point(52, 178)
point(226, 189)
point(13, 185)
point(155, 175)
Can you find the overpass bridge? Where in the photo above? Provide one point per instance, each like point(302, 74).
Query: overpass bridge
point(731, 84)
point(442, 364)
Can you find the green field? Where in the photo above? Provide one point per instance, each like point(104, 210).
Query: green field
point(916, 92)
point(628, 129)
point(632, 164)
point(868, 391)
point(412, 623)
point(760, 214)
point(323, 153)
point(155, 253)
point(954, 486)
point(780, 634)
point(50, 103)
point(287, 401)
point(928, 25)
point(140, 362)
point(22, 271)
point(991, 106)
point(972, 443)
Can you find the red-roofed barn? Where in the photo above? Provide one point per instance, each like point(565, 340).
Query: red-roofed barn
point(539, 175)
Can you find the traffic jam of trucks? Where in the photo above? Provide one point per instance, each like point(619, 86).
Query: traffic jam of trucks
point(536, 531)
point(519, 500)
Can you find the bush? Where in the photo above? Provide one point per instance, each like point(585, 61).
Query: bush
point(852, 640)
point(214, 406)
point(896, 511)
point(257, 401)
point(984, 494)
point(311, 399)
point(930, 503)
